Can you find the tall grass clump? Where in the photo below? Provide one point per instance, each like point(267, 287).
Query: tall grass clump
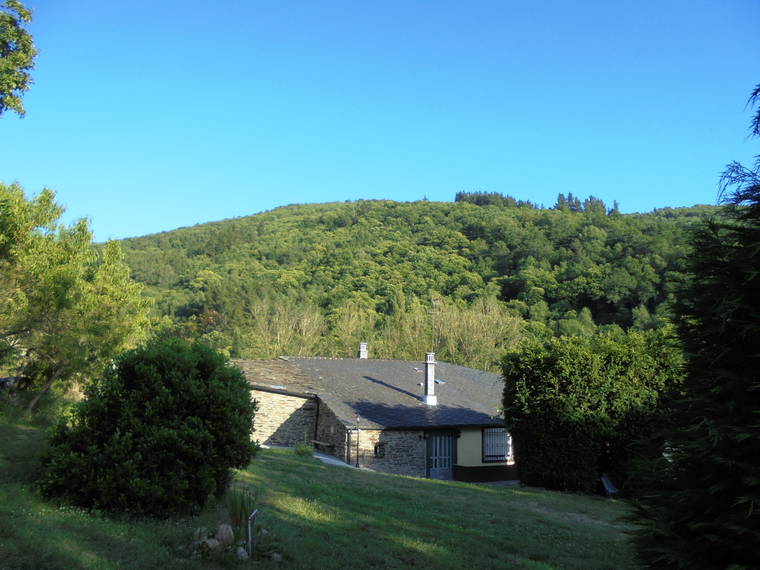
point(240, 503)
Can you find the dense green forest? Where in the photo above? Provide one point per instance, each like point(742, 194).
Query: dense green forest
point(466, 279)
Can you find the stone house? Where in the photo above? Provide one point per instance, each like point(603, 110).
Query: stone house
point(424, 419)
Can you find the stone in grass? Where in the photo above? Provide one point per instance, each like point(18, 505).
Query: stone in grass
point(210, 546)
point(195, 550)
point(242, 553)
point(200, 534)
point(225, 534)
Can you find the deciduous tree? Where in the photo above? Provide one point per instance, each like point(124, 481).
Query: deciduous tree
point(17, 53)
point(68, 306)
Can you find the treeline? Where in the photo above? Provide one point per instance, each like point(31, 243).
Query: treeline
point(564, 202)
point(465, 279)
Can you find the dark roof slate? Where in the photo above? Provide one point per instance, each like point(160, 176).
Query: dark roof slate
point(276, 375)
point(386, 393)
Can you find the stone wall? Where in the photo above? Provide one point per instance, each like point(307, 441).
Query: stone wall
point(286, 419)
point(403, 452)
point(283, 419)
point(332, 431)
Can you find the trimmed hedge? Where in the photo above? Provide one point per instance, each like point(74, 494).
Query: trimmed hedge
point(155, 435)
point(576, 406)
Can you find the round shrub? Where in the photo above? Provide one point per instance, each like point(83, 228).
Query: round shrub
point(155, 435)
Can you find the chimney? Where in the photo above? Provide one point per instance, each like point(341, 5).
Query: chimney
point(363, 350)
point(430, 398)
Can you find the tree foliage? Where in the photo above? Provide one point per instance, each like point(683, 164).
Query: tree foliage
point(700, 508)
point(155, 435)
point(17, 53)
point(577, 406)
point(413, 277)
point(68, 306)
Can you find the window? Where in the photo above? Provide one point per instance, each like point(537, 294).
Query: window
point(379, 450)
point(497, 445)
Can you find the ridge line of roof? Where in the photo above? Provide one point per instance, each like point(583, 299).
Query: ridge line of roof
point(343, 359)
point(287, 358)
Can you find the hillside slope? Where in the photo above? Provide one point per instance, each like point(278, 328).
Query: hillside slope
point(321, 516)
point(464, 279)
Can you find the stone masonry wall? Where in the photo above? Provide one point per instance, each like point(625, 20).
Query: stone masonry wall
point(283, 419)
point(332, 431)
point(403, 452)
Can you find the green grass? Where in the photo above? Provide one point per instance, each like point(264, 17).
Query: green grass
point(37, 534)
point(319, 516)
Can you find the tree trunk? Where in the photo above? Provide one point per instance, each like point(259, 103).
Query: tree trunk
point(45, 389)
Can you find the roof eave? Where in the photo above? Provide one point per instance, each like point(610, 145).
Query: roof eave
point(271, 390)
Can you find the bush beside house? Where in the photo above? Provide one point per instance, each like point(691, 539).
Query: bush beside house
point(155, 435)
point(576, 406)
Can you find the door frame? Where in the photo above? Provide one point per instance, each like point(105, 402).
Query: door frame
point(430, 435)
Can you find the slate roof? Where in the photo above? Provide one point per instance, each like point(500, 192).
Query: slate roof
point(277, 376)
point(385, 393)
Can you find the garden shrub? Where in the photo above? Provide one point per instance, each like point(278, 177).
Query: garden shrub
point(155, 435)
point(304, 448)
point(557, 452)
point(577, 406)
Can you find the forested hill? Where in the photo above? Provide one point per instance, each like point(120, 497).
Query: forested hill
point(464, 279)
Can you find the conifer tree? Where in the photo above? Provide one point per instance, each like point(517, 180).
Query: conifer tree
point(701, 505)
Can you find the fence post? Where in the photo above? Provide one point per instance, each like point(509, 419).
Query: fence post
point(251, 521)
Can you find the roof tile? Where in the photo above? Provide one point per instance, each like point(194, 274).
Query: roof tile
point(386, 393)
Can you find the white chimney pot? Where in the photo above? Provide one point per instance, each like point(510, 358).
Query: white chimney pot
point(429, 397)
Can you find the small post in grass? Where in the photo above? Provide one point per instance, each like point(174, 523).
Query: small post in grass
point(358, 431)
point(251, 522)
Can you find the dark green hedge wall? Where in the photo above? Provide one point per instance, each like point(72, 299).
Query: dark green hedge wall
point(576, 406)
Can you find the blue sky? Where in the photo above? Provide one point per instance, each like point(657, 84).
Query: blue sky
point(146, 116)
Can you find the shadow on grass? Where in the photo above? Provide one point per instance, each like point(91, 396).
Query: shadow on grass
point(327, 517)
point(38, 534)
point(320, 516)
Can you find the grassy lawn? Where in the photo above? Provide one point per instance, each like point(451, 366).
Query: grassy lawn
point(330, 517)
point(36, 534)
point(319, 516)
